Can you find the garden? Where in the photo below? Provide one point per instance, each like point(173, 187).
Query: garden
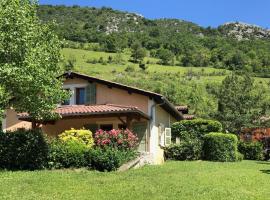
point(202, 163)
point(32, 150)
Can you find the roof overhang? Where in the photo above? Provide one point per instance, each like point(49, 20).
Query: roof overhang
point(91, 111)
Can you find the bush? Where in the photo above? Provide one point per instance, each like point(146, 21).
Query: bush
point(23, 150)
point(251, 150)
point(66, 154)
point(118, 139)
point(220, 147)
point(108, 159)
point(130, 68)
point(194, 129)
point(187, 150)
point(82, 136)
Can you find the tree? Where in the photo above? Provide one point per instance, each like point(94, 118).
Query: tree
point(29, 57)
point(138, 52)
point(166, 56)
point(241, 102)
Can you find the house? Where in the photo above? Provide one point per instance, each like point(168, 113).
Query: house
point(99, 104)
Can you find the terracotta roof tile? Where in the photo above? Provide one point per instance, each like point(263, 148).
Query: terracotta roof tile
point(73, 110)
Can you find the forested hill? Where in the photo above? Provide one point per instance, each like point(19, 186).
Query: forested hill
point(232, 46)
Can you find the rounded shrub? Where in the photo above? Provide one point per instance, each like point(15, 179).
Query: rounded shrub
point(108, 159)
point(82, 136)
point(220, 147)
point(251, 150)
point(23, 150)
point(67, 154)
point(194, 129)
point(187, 150)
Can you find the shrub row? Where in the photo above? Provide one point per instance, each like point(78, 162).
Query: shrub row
point(214, 147)
point(186, 150)
point(30, 150)
point(194, 129)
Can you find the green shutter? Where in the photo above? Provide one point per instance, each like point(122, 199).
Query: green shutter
point(90, 97)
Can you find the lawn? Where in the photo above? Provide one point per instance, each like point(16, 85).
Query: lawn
point(197, 180)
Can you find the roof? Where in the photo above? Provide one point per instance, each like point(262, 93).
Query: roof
point(90, 110)
point(158, 98)
point(183, 109)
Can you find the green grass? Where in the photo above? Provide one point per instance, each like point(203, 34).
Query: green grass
point(105, 71)
point(174, 180)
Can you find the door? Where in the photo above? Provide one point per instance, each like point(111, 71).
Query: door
point(140, 129)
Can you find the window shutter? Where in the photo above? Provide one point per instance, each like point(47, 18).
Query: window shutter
point(90, 97)
point(161, 134)
point(168, 136)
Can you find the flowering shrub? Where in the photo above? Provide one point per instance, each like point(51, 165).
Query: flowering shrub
point(81, 136)
point(119, 139)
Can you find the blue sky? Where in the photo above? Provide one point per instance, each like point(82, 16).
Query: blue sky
point(203, 12)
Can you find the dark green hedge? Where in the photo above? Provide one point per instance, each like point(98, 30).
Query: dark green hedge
point(187, 150)
point(220, 147)
point(251, 150)
point(23, 150)
point(194, 129)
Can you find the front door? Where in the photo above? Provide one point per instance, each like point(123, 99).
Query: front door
point(140, 129)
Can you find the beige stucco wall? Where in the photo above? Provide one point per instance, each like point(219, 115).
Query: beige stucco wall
point(11, 122)
point(122, 97)
point(161, 117)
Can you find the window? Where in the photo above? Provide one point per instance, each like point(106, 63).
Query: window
point(106, 127)
point(80, 96)
point(66, 102)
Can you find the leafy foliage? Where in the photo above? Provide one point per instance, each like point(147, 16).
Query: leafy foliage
point(241, 102)
point(194, 129)
point(108, 159)
point(29, 57)
point(251, 150)
point(69, 154)
point(118, 139)
point(23, 150)
point(186, 150)
point(81, 136)
point(220, 147)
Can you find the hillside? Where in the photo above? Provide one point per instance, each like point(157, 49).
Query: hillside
point(181, 60)
point(193, 86)
point(233, 46)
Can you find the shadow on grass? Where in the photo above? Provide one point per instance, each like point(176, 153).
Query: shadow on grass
point(264, 163)
point(265, 171)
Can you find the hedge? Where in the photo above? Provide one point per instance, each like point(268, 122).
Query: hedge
point(251, 150)
point(108, 159)
point(187, 150)
point(69, 154)
point(23, 150)
point(220, 147)
point(194, 129)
